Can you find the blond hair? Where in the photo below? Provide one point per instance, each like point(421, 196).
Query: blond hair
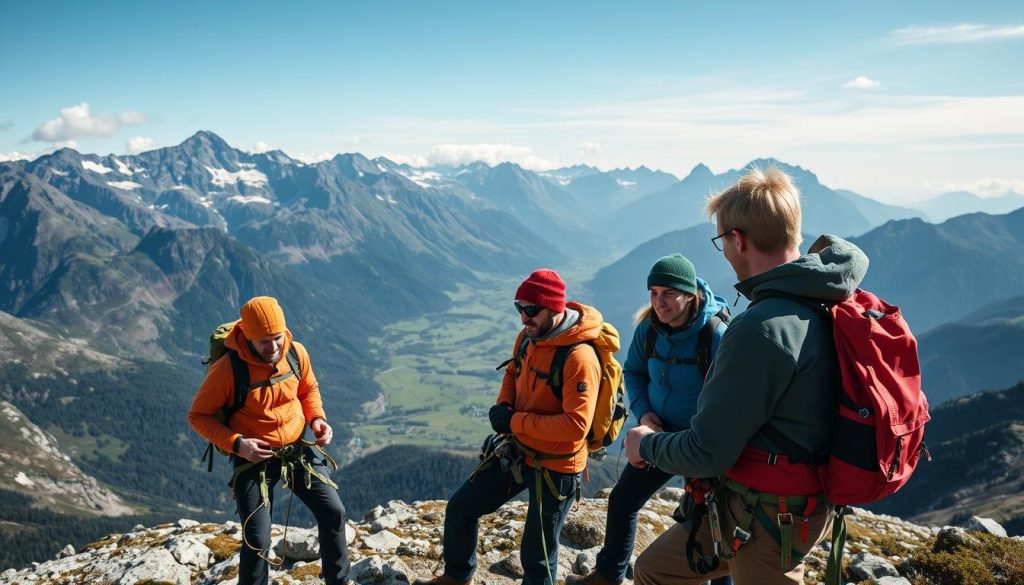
point(764, 205)
point(647, 312)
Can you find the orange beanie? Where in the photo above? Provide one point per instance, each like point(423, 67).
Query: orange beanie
point(262, 317)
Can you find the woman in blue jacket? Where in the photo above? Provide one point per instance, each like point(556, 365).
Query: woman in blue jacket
point(676, 337)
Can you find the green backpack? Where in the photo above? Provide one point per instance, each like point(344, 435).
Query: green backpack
point(240, 373)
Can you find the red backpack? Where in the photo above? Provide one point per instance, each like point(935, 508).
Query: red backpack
point(878, 436)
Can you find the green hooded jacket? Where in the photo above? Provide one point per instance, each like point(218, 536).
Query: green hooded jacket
point(776, 364)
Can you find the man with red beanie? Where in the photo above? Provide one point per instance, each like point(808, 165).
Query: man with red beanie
point(264, 436)
point(541, 426)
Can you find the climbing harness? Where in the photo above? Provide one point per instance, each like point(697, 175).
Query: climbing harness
point(291, 458)
point(780, 528)
point(508, 452)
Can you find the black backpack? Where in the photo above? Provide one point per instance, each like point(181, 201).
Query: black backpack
point(702, 357)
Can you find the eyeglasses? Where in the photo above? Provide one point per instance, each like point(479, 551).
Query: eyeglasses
point(530, 310)
point(714, 240)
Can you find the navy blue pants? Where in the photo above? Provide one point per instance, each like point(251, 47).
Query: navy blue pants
point(631, 492)
point(491, 488)
point(321, 499)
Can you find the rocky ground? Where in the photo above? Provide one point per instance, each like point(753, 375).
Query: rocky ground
point(396, 543)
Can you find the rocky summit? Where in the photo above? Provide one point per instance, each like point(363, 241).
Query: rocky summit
point(396, 543)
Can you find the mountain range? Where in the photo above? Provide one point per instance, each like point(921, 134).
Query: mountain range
point(937, 274)
point(681, 205)
point(948, 205)
point(981, 351)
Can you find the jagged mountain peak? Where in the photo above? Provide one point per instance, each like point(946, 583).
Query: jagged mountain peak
point(205, 139)
point(700, 171)
point(799, 174)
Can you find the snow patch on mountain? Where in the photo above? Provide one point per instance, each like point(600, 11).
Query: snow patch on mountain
point(249, 177)
point(423, 178)
point(126, 185)
point(123, 168)
point(96, 167)
point(251, 199)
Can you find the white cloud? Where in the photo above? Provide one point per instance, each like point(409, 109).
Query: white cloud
point(984, 187)
point(413, 160)
point(137, 144)
point(77, 122)
point(959, 33)
point(861, 82)
point(590, 148)
point(311, 158)
point(261, 147)
point(15, 155)
point(492, 154)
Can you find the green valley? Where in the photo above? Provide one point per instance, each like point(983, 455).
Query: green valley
point(439, 378)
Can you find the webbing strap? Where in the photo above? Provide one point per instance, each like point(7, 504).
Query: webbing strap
point(290, 456)
point(272, 381)
point(785, 532)
point(781, 527)
point(834, 568)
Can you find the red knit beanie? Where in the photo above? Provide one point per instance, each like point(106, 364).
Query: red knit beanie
point(545, 288)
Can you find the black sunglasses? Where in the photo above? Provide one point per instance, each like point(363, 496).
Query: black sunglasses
point(530, 310)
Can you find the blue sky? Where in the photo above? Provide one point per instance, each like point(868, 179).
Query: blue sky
point(897, 101)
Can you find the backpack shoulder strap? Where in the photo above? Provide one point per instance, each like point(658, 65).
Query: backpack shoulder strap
point(240, 375)
point(519, 354)
point(649, 340)
point(705, 341)
point(293, 361)
point(558, 364)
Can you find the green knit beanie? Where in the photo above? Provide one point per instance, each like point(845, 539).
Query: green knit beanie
point(674, 271)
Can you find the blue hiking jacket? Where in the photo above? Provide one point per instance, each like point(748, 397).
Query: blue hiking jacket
point(670, 390)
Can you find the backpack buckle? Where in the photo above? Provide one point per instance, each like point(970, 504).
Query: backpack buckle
point(739, 538)
point(785, 519)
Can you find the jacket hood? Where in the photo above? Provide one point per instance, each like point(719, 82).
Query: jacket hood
point(237, 341)
point(831, 271)
point(712, 305)
point(587, 327)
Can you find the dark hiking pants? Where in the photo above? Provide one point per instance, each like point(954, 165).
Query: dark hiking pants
point(631, 492)
point(491, 488)
point(321, 499)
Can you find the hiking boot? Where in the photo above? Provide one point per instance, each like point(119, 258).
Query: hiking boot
point(441, 579)
point(593, 578)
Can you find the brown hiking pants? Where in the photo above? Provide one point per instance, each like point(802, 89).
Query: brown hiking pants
point(758, 562)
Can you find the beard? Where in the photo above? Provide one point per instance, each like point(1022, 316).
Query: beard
point(272, 358)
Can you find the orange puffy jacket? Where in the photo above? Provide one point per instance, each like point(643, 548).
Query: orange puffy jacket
point(542, 422)
point(275, 413)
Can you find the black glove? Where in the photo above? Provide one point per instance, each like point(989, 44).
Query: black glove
point(501, 417)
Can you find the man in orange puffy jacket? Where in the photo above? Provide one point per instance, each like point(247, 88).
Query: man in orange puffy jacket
point(528, 410)
point(280, 403)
